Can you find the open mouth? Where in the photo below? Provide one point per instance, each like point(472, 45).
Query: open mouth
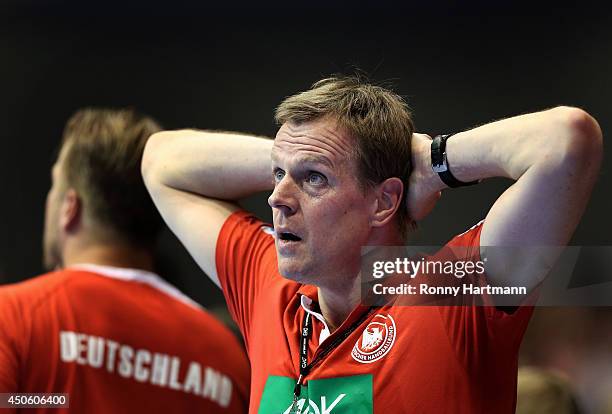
point(289, 237)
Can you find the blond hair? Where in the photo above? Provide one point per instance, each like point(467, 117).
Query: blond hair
point(102, 150)
point(544, 392)
point(378, 119)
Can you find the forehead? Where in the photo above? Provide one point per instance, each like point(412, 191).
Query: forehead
point(321, 140)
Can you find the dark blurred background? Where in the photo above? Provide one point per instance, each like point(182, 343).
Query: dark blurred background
point(227, 66)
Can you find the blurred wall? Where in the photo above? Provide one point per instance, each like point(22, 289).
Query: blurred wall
point(227, 67)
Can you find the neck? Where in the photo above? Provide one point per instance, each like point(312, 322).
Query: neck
point(338, 302)
point(105, 255)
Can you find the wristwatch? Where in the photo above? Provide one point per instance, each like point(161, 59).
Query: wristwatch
point(439, 162)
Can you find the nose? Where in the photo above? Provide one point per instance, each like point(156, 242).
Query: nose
point(283, 197)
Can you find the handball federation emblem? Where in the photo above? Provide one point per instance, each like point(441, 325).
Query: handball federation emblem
point(376, 341)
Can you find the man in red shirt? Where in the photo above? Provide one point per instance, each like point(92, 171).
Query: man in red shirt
point(103, 327)
point(348, 172)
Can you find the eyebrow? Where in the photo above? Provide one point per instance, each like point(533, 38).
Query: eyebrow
point(314, 159)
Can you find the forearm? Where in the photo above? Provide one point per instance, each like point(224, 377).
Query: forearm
point(221, 165)
point(554, 156)
point(558, 138)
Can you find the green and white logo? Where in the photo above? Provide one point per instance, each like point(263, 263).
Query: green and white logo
point(319, 396)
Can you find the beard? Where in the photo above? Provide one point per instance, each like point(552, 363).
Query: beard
point(52, 258)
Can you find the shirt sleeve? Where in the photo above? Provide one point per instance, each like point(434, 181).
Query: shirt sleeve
point(483, 332)
point(9, 346)
point(246, 262)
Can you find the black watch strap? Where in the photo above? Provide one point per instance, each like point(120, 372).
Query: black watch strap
point(439, 162)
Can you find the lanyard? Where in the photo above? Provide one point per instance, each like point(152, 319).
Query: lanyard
point(305, 335)
point(304, 367)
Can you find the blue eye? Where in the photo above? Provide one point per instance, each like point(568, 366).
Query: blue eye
point(316, 179)
point(278, 174)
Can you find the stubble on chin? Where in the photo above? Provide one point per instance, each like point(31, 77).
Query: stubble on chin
point(292, 272)
point(51, 258)
point(50, 263)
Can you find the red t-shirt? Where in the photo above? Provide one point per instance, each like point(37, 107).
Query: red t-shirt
point(118, 341)
point(431, 359)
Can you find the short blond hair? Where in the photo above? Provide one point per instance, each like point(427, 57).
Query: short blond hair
point(544, 392)
point(102, 151)
point(378, 119)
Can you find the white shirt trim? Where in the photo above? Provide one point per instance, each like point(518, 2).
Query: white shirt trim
point(138, 276)
point(306, 302)
point(471, 228)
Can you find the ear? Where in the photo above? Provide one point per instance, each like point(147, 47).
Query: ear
point(70, 211)
point(388, 197)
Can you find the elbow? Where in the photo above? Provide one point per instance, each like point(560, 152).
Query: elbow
point(583, 139)
point(156, 156)
point(150, 156)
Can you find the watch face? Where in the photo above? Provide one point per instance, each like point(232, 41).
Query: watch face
point(440, 165)
point(439, 168)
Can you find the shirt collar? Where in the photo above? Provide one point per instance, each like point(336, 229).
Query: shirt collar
point(136, 275)
point(309, 295)
point(115, 272)
point(306, 301)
